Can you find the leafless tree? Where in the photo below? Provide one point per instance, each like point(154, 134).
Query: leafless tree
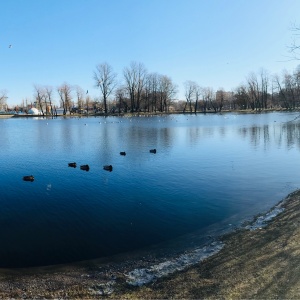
point(153, 83)
point(253, 91)
point(241, 97)
point(282, 97)
point(121, 99)
point(64, 92)
point(296, 76)
point(40, 96)
point(134, 76)
point(192, 95)
point(198, 91)
point(141, 76)
point(287, 89)
point(167, 91)
point(48, 97)
point(88, 101)
point(80, 96)
point(264, 88)
point(220, 98)
point(189, 87)
point(290, 88)
point(207, 94)
point(105, 79)
point(3, 97)
point(294, 49)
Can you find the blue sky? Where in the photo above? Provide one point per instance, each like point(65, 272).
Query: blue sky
point(216, 43)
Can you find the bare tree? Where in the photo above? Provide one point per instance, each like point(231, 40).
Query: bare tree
point(241, 97)
point(3, 97)
point(64, 92)
point(296, 76)
point(87, 103)
point(189, 87)
point(80, 97)
point(167, 90)
point(134, 76)
point(282, 97)
point(153, 81)
point(141, 76)
point(220, 98)
point(105, 79)
point(294, 49)
point(48, 97)
point(253, 90)
point(40, 96)
point(211, 98)
point(198, 91)
point(207, 94)
point(192, 95)
point(290, 88)
point(287, 89)
point(264, 88)
point(121, 97)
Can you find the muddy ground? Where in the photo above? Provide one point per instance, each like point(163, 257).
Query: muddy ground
point(263, 263)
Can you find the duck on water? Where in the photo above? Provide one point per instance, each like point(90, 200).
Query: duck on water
point(28, 178)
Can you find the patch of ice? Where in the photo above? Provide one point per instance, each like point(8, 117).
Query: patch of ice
point(105, 288)
point(262, 221)
point(139, 277)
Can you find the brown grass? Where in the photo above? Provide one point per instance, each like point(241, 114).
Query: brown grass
point(260, 264)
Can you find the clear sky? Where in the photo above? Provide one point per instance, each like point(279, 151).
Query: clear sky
point(215, 43)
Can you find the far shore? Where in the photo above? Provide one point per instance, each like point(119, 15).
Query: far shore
point(158, 113)
point(257, 264)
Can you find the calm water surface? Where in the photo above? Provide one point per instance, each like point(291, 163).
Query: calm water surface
point(210, 172)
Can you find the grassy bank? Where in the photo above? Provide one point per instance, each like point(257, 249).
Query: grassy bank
point(263, 263)
point(260, 264)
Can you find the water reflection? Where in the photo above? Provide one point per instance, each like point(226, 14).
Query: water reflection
point(286, 134)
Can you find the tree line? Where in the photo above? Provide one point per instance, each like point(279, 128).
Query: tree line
point(141, 91)
point(260, 91)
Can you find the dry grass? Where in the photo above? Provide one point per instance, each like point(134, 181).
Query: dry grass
point(253, 264)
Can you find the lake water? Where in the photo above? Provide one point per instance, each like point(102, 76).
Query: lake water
point(209, 174)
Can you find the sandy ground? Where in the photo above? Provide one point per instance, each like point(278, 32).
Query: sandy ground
point(259, 264)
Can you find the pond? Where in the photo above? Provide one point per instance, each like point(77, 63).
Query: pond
point(209, 174)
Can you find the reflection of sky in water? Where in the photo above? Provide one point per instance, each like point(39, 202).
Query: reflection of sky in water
point(208, 170)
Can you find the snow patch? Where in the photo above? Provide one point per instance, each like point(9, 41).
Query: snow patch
point(139, 277)
point(262, 221)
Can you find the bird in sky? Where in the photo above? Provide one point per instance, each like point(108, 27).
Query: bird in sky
point(9, 46)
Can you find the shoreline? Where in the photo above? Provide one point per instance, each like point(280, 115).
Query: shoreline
point(157, 113)
point(261, 263)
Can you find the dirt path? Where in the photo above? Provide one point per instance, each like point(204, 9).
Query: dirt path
point(264, 263)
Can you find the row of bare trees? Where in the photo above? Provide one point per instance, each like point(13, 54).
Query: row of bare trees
point(69, 98)
point(152, 92)
point(264, 91)
point(261, 91)
point(140, 90)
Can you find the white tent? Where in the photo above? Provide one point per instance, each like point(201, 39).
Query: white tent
point(34, 111)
